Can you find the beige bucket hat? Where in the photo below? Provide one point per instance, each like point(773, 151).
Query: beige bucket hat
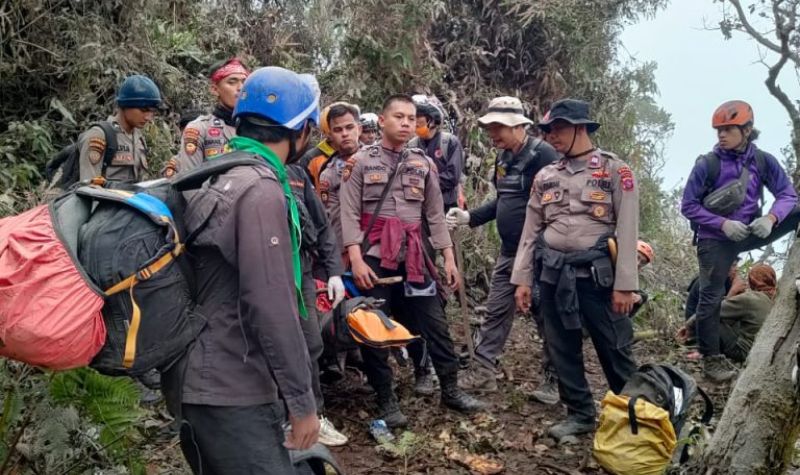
point(505, 110)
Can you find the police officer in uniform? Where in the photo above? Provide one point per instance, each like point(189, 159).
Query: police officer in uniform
point(575, 205)
point(521, 159)
point(343, 132)
point(208, 135)
point(394, 248)
point(138, 99)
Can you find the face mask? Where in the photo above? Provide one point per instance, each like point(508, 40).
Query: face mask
point(423, 132)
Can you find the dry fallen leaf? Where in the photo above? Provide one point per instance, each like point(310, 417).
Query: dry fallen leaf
point(477, 464)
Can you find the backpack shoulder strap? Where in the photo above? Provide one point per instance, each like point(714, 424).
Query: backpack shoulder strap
point(712, 170)
point(447, 137)
point(195, 178)
point(111, 144)
point(384, 193)
point(761, 166)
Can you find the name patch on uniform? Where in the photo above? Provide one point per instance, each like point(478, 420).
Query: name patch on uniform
point(374, 168)
point(550, 184)
point(414, 171)
point(626, 175)
point(602, 184)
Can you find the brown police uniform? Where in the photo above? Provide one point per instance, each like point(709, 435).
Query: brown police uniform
point(330, 182)
point(129, 163)
point(573, 204)
point(414, 194)
point(203, 138)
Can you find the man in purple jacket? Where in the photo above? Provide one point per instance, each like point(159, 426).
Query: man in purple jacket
point(722, 235)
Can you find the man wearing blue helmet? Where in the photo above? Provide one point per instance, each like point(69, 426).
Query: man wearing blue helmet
point(251, 359)
point(138, 99)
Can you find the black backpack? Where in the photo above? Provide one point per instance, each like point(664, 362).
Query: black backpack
point(67, 160)
point(659, 384)
point(132, 247)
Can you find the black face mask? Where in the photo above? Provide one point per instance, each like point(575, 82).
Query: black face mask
point(225, 114)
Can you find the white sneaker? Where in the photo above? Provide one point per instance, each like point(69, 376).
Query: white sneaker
point(328, 435)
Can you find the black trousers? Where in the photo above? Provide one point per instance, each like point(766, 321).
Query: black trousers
point(611, 333)
point(422, 316)
point(715, 258)
point(218, 440)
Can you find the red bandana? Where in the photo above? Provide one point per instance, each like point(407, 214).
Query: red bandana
point(234, 66)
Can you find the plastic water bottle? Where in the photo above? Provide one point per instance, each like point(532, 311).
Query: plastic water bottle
point(380, 431)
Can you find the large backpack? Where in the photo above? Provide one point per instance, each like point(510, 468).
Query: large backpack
point(63, 170)
point(99, 277)
point(640, 428)
point(444, 144)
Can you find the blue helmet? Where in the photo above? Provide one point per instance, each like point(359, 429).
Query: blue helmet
point(311, 81)
point(282, 96)
point(138, 91)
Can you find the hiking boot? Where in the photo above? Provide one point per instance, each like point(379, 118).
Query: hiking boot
point(328, 435)
point(454, 398)
point(480, 379)
point(423, 383)
point(547, 392)
point(389, 408)
point(718, 369)
point(570, 426)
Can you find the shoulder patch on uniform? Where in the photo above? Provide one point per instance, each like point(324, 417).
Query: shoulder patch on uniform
point(626, 177)
point(97, 144)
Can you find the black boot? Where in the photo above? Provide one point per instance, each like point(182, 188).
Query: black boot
point(454, 398)
point(389, 407)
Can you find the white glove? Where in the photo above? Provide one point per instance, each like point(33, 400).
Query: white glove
point(735, 230)
point(456, 217)
point(762, 227)
point(335, 290)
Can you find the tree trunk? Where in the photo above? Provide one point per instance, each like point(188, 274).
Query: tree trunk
point(757, 431)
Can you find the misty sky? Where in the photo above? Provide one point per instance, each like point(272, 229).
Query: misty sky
point(697, 71)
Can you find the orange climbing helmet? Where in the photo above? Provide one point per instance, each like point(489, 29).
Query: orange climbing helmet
point(737, 113)
point(646, 250)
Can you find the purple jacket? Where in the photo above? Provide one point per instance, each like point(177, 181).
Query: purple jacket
point(710, 224)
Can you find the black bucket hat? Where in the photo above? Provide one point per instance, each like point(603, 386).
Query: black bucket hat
point(574, 111)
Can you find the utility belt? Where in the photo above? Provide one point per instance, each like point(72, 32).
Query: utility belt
point(597, 260)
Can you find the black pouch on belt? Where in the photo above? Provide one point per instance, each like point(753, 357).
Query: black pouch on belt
point(603, 272)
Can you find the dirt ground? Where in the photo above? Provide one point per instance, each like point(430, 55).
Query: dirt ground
point(511, 435)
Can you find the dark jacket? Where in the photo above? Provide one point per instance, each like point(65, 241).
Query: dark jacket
point(319, 240)
point(513, 179)
point(450, 167)
point(253, 348)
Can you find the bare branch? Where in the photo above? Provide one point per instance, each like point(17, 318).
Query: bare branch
point(756, 35)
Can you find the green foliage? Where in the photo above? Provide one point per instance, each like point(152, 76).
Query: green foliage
point(111, 403)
